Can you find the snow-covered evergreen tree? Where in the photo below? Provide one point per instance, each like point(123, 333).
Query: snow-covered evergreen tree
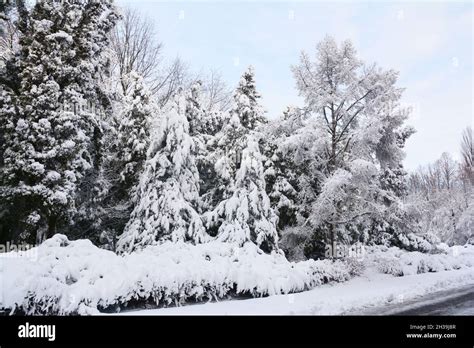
point(126, 139)
point(204, 125)
point(242, 212)
point(133, 133)
point(52, 136)
point(290, 165)
point(246, 101)
point(247, 215)
point(246, 116)
point(204, 122)
point(195, 113)
point(168, 192)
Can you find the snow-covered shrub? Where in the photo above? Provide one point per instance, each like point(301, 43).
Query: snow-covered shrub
point(412, 242)
point(465, 225)
point(397, 262)
point(75, 277)
point(390, 266)
point(356, 266)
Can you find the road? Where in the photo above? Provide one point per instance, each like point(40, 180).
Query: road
point(452, 302)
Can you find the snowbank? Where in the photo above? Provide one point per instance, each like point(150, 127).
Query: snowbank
point(370, 294)
point(75, 277)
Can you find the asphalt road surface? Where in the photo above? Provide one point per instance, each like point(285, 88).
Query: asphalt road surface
point(452, 302)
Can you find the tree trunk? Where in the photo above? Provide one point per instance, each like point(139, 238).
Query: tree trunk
point(332, 236)
point(332, 163)
point(52, 222)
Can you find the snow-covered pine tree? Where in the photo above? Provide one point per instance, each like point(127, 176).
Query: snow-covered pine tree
point(204, 125)
point(287, 166)
point(52, 135)
point(93, 38)
point(194, 111)
point(168, 192)
point(246, 116)
point(126, 141)
point(247, 215)
point(133, 138)
point(203, 121)
point(246, 99)
point(243, 212)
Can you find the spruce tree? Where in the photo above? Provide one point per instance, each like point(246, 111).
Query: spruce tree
point(245, 117)
point(246, 100)
point(204, 125)
point(247, 215)
point(168, 192)
point(243, 212)
point(125, 140)
point(133, 138)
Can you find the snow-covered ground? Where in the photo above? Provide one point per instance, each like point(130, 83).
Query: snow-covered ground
point(370, 290)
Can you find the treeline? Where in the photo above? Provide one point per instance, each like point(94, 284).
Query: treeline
point(441, 194)
point(66, 167)
point(172, 156)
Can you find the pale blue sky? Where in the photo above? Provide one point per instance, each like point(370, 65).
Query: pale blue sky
point(430, 43)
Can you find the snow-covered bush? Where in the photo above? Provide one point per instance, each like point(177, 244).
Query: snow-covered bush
point(397, 262)
point(413, 242)
point(390, 266)
point(75, 277)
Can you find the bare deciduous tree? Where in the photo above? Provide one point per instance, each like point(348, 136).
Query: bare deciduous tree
point(467, 153)
point(135, 47)
point(219, 95)
point(170, 79)
point(447, 169)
